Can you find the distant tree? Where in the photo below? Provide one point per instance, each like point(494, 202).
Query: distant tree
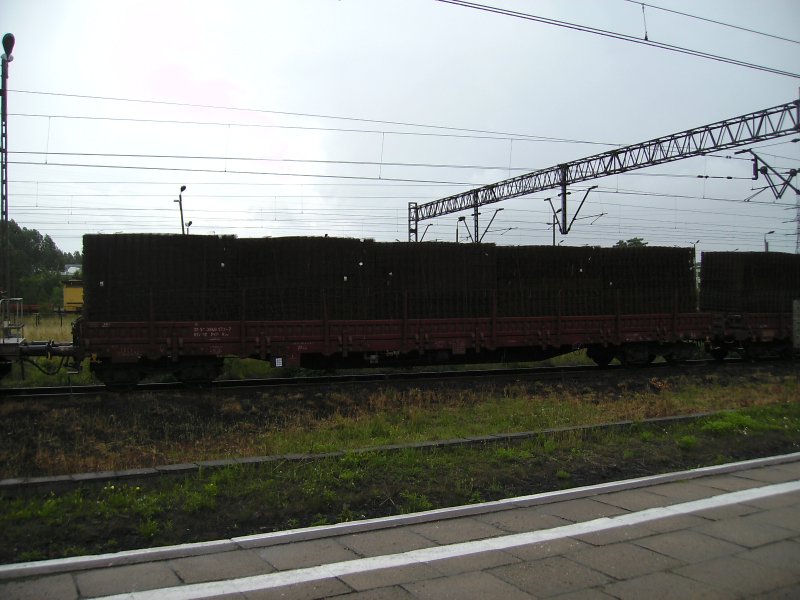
point(631, 243)
point(41, 288)
point(35, 264)
point(72, 258)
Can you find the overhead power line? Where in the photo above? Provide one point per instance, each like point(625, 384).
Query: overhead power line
point(233, 172)
point(516, 137)
point(341, 162)
point(715, 22)
point(286, 160)
point(618, 36)
point(298, 114)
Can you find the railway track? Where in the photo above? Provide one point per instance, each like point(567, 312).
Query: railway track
point(76, 391)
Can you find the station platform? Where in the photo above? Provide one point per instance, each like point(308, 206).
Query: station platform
point(729, 531)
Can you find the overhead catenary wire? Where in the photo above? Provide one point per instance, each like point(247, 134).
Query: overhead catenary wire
point(517, 137)
point(226, 171)
point(714, 21)
point(504, 134)
point(342, 162)
point(618, 36)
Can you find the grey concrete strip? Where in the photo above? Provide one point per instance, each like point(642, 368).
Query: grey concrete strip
point(388, 577)
point(178, 468)
point(377, 543)
point(128, 578)
point(551, 576)
point(283, 537)
point(665, 586)
point(54, 587)
point(306, 554)
point(143, 472)
point(225, 565)
point(128, 557)
point(93, 476)
point(466, 586)
point(216, 464)
point(625, 560)
point(738, 576)
point(689, 546)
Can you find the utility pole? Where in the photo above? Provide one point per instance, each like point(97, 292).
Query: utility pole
point(5, 276)
point(797, 222)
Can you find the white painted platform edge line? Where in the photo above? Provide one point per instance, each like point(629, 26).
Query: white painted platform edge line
point(126, 557)
point(426, 555)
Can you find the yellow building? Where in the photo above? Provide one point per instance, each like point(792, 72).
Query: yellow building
point(73, 296)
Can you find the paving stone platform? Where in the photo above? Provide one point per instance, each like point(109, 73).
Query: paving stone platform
point(731, 531)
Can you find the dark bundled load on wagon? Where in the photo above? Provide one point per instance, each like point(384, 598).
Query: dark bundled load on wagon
point(547, 280)
point(138, 277)
point(135, 277)
point(749, 282)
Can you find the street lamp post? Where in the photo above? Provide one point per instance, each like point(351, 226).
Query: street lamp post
point(189, 224)
point(180, 205)
point(766, 243)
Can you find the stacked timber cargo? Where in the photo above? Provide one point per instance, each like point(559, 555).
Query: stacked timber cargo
point(652, 279)
point(137, 277)
point(133, 277)
point(296, 278)
point(749, 282)
point(337, 278)
point(435, 280)
point(547, 280)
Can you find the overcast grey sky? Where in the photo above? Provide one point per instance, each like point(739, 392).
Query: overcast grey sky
point(373, 87)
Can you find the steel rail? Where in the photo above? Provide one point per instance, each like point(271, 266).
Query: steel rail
point(273, 382)
point(76, 391)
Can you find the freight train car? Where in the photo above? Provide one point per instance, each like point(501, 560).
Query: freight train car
point(751, 297)
point(182, 303)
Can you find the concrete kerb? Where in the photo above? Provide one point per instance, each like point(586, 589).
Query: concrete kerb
point(62, 482)
point(61, 565)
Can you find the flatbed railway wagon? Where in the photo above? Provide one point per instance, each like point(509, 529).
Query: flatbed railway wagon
point(181, 304)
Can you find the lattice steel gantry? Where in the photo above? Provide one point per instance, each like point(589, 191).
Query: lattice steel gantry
point(753, 127)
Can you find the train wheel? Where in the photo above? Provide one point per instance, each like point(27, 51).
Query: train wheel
point(717, 352)
point(601, 356)
point(637, 355)
point(198, 372)
point(118, 378)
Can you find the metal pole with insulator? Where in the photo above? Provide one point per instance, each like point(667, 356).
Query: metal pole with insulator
point(5, 267)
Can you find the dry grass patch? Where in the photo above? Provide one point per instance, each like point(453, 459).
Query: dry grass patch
point(141, 430)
